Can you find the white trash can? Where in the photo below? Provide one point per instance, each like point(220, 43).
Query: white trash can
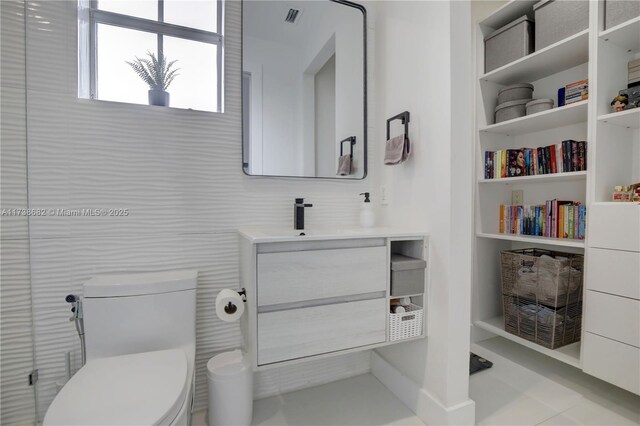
point(230, 389)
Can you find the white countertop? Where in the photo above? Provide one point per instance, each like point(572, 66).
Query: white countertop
point(275, 234)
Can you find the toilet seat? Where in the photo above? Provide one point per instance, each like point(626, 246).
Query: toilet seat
point(146, 388)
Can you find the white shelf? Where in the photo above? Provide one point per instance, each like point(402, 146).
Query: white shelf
point(560, 56)
point(560, 242)
point(507, 13)
point(629, 119)
point(625, 35)
point(552, 177)
point(550, 119)
point(569, 354)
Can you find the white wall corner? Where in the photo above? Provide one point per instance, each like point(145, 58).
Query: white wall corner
point(428, 408)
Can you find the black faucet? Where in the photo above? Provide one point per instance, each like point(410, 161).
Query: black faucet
point(298, 213)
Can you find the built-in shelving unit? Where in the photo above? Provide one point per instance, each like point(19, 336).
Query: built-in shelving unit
point(569, 354)
point(533, 240)
point(550, 119)
point(553, 177)
point(627, 119)
point(624, 35)
point(548, 69)
point(613, 158)
point(553, 59)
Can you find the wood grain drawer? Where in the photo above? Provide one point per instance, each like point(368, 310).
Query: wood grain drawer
point(611, 361)
point(315, 274)
point(614, 317)
point(614, 226)
point(297, 333)
point(614, 271)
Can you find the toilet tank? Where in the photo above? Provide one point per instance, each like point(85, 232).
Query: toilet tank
point(132, 313)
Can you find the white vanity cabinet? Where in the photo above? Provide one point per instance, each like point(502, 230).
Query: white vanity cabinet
point(320, 294)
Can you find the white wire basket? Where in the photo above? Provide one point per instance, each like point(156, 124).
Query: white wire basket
point(407, 324)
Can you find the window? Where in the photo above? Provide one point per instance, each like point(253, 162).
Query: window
point(113, 33)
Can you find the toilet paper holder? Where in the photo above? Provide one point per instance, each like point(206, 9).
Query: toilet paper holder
point(242, 292)
point(230, 308)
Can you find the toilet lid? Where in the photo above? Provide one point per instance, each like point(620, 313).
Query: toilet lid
point(139, 389)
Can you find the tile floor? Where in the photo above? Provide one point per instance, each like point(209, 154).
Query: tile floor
point(522, 388)
point(357, 401)
point(527, 388)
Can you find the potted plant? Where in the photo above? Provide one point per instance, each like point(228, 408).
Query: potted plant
point(158, 74)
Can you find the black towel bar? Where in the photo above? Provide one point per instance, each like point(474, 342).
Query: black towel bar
point(351, 139)
point(405, 117)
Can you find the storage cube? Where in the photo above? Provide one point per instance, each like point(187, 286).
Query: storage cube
point(559, 19)
point(407, 275)
point(618, 11)
point(509, 43)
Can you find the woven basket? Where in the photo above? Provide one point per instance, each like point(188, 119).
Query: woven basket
point(407, 324)
point(552, 282)
point(542, 296)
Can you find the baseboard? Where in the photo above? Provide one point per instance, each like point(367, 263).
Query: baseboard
point(424, 405)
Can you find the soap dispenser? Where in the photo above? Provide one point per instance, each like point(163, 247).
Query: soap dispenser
point(367, 218)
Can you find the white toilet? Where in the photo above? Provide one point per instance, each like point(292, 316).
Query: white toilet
point(140, 347)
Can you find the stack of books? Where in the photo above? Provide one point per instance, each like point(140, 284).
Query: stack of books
point(567, 156)
point(554, 219)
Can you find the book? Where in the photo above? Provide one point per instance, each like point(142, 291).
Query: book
point(503, 163)
point(570, 221)
point(582, 156)
point(553, 219)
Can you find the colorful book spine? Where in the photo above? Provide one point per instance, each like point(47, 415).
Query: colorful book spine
point(570, 221)
point(552, 156)
point(503, 163)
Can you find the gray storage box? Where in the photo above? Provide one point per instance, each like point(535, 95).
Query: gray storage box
point(407, 275)
point(559, 19)
point(515, 92)
point(509, 43)
point(510, 110)
point(539, 105)
point(618, 11)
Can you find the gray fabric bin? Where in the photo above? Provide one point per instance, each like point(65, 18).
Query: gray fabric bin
point(559, 19)
point(618, 11)
point(510, 110)
point(539, 105)
point(407, 275)
point(515, 92)
point(509, 43)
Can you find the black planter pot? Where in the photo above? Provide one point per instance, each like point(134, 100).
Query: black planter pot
point(158, 97)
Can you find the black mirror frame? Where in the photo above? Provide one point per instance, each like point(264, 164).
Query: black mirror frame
point(364, 67)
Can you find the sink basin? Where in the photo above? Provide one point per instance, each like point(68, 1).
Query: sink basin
point(282, 234)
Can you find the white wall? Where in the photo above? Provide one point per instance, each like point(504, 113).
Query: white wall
point(277, 69)
point(16, 346)
point(325, 118)
point(422, 65)
point(178, 171)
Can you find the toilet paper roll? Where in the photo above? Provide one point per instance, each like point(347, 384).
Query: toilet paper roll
point(229, 305)
point(398, 309)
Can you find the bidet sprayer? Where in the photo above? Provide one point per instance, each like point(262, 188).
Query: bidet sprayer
point(76, 308)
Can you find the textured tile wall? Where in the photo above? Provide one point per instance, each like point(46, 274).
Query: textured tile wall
point(178, 172)
point(16, 346)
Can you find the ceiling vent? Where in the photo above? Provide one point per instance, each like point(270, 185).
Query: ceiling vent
point(292, 16)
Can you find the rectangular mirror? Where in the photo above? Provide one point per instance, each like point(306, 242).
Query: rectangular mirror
point(304, 89)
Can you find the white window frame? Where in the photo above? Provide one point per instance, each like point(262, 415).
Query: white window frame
point(89, 16)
